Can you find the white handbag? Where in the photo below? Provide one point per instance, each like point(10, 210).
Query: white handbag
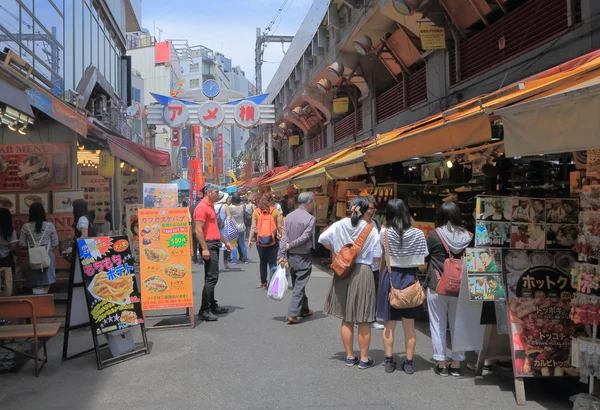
point(38, 255)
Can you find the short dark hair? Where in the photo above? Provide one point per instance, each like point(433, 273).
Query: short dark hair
point(448, 213)
point(235, 199)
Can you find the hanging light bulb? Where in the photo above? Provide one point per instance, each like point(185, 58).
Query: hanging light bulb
point(23, 129)
point(13, 126)
point(98, 151)
point(80, 146)
point(133, 169)
point(122, 164)
point(449, 164)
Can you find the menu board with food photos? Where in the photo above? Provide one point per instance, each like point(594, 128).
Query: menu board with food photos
point(96, 191)
point(131, 193)
point(539, 303)
point(165, 258)
point(35, 167)
point(112, 295)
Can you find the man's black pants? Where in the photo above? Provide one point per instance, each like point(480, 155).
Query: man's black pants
point(211, 276)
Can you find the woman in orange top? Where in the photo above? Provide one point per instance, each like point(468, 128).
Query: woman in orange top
point(268, 231)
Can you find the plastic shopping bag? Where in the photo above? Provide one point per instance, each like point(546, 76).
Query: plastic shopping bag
point(278, 284)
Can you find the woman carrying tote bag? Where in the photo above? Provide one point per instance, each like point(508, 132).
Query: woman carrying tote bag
point(405, 249)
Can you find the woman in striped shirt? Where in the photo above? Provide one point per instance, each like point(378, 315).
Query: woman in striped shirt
point(408, 250)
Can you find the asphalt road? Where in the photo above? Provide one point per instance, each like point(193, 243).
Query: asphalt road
point(252, 359)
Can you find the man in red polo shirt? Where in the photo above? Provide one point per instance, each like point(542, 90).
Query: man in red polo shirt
point(210, 238)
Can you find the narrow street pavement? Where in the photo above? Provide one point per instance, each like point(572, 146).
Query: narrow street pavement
point(251, 359)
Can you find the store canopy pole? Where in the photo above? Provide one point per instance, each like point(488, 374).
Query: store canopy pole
point(270, 147)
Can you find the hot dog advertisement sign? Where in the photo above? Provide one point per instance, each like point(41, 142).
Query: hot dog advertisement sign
point(165, 260)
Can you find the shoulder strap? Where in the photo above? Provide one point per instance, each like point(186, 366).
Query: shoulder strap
point(386, 249)
point(359, 242)
point(443, 241)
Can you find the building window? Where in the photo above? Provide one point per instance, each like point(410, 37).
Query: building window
point(194, 67)
point(136, 94)
point(205, 68)
point(195, 83)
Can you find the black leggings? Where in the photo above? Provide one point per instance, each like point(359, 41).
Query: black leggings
point(268, 256)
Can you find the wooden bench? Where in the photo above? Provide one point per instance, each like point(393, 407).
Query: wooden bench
point(29, 307)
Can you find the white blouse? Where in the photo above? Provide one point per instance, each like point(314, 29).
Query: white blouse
point(342, 233)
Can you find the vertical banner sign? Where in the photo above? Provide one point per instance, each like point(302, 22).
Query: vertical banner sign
point(220, 158)
point(539, 304)
point(193, 176)
point(176, 138)
point(165, 259)
point(112, 296)
point(197, 140)
point(208, 157)
point(132, 230)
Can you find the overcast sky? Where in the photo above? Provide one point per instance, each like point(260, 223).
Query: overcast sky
point(226, 26)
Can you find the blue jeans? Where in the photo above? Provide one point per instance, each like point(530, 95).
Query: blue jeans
point(242, 248)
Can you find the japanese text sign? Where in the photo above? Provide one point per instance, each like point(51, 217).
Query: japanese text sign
point(246, 114)
point(175, 114)
point(219, 154)
point(112, 295)
point(539, 303)
point(165, 259)
point(211, 114)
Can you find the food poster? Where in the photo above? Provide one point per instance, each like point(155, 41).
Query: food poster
point(112, 293)
point(35, 167)
point(165, 258)
point(526, 223)
point(161, 196)
point(64, 229)
point(132, 230)
point(593, 163)
point(539, 303)
point(62, 201)
point(131, 186)
point(96, 191)
point(484, 274)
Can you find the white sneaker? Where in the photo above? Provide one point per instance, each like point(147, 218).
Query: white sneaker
point(377, 326)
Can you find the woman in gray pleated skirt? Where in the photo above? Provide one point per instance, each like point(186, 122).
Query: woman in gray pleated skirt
point(354, 299)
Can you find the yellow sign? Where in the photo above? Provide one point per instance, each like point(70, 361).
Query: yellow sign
point(432, 37)
point(165, 258)
point(294, 140)
point(106, 164)
point(208, 158)
point(341, 105)
point(232, 175)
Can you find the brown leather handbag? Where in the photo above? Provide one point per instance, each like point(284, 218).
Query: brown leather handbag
point(345, 259)
point(412, 296)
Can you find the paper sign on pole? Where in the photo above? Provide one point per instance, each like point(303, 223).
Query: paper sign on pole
point(432, 37)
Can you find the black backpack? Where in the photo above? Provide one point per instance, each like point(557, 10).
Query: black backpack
point(247, 217)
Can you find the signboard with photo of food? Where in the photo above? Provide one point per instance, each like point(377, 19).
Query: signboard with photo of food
point(26, 200)
point(26, 167)
point(539, 303)
point(112, 295)
point(484, 272)
point(165, 259)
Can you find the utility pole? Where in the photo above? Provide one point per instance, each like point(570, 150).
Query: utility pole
point(262, 39)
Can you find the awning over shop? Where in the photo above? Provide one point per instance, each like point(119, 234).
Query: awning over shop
point(316, 175)
point(350, 165)
point(281, 181)
point(258, 180)
point(182, 184)
point(565, 121)
point(141, 157)
point(438, 136)
point(15, 97)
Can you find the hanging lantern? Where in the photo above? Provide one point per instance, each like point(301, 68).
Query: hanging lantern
point(106, 164)
point(297, 112)
point(324, 85)
point(404, 7)
point(336, 69)
point(363, 44)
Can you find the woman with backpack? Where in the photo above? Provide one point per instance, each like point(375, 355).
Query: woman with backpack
point(248, 212)
point(267, 224)
point(450, 239)
point(352, 298)
point(404, 249)
point(36, 234)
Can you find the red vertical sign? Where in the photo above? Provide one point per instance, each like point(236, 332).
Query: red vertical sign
point(197, 140)
point(219, 154)
point(192, 174)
